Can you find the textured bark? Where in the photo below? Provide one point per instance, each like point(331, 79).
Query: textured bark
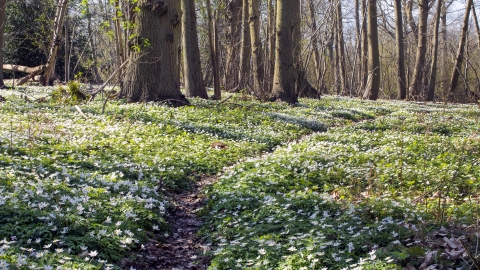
point(316, 52)
point(270, 52)
point(373, 54)
point(118, 37)
point(417, 87)
point(192, 72)
point(253, 10)
point(284, 79)
point(245, 50)
point(234, 39)
point(401, 79)
point(460, 50)
point(56, 41)
point(154, 74)
point(3, 3)
point(433, 65)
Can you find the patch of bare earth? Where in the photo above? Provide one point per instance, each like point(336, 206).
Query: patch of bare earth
point(181, 249)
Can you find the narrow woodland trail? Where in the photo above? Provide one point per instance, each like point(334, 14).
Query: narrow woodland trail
point(181, 249)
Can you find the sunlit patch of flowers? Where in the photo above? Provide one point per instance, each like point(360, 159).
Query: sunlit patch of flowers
point(352, 197)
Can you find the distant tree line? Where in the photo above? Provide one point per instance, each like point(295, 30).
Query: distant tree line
point(425, 50)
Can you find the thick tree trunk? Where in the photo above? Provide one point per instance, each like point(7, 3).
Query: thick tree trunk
point(253, 10)
point(433, 67)
point(417, 87)
point(400, 56)
point(245, 50)
point(192, 72)
point(411, 20)
point(234, 39)
point(373, 53)
point(56, 41)
point(270, 53)
point(460, 51)
point(284, 78)
point(154, 74)
point(3, 4)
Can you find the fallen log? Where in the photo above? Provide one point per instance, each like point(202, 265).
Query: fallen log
point(24, 69)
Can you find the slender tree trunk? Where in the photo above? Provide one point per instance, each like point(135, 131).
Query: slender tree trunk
point(192, 69)
point(56, 41)
point(364, 77)
point(373, 85)
point(154, 74)
point(341, 48)
point(315, 44)
point(411, 20)
point(256, 48)
point(212, 34)
point(417, 87)
point(401, 79)
point(433, 67)
point(234, 39)
point(460, 50)
point(96, 75)
point(67, 51)
point(477, 27)
point(245, 50)
point(270, 61)
point(3, 4)
point(284, 78)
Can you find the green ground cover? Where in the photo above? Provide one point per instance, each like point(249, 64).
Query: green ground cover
point(84, 192)
point(363, 196)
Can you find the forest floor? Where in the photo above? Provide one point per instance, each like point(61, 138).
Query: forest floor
point(335, 183)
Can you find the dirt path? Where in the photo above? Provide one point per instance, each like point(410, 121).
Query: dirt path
point(181, 249)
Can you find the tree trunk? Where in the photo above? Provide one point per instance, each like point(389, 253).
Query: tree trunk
point(118, 36)
point(341, 48)
point(373, 85)
point(284, 78)
point(96, 75)
point(401, 79)
point(234, 39)
point(256, 48)
point(213, 39)
point(364, 77)
point(154, 74)
point(460, 50)
point(56, 41)
point(67, 53)
point(417, 87)
point(270, 61)
point(245, 50)
point(433, 67)
point(316, 52)
point(192, 69)
point(3, 4)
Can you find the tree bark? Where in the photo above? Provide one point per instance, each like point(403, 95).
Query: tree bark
point(154, 72)
point(56, 41)
point(433, 67)
point(373, 85)
point(417, 87)
point(460, 51)
point(213, 41)
point(401, 79)
point(341, 48)
point(234, 39)
point(364, 77)
point(3, 4)
point(245, 50)
point(192, 69)
point(253, 10)
point(284, 78)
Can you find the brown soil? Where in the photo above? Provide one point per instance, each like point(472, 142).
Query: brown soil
point(181, 249)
